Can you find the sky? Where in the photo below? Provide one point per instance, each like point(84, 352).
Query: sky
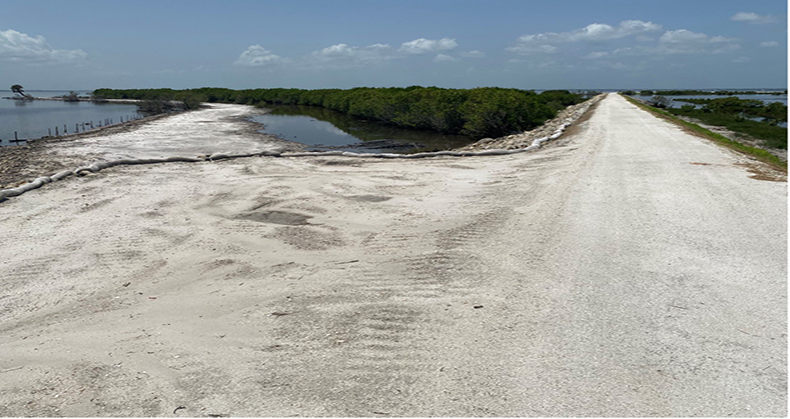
point(525, 44)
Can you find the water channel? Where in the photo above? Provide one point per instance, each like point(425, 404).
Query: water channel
point(324, 129)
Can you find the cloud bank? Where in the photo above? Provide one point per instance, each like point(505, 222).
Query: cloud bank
point(349, 56)
point(257, 56)
point(753, 18)
point(548, 42)
point(17, 47)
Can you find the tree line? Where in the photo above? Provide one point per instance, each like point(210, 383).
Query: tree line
point(477, 113)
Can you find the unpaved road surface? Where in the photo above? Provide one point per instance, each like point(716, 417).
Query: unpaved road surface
point(629, 269)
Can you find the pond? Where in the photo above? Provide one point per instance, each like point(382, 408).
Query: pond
point(765, 98)
point(323, 129)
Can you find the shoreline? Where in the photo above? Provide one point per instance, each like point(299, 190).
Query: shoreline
point(45, 156)
point(79, 99)
point(18, 159)
point(21, 165)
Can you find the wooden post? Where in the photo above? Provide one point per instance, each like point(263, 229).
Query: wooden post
point(65, 130)
point(76, 127)
point(56, 132)
point(15, 137)
point(49, 130)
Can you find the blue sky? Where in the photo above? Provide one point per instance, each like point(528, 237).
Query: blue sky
point(528, 44)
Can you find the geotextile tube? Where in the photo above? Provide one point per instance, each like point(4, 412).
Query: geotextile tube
point(98, 166)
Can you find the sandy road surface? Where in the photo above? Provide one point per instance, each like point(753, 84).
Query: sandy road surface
point(628, 270)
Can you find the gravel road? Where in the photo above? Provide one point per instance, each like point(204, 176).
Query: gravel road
point(627, 269)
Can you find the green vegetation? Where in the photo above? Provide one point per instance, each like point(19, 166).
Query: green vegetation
point(716, 92)
point(154, 101)
point(734, 114)
point(478, 113)
point(660, 102)
point(703, 92)
point(367, 130)
point(758, 153)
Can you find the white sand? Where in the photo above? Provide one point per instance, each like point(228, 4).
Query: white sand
point(205, 131)
point(629, 270)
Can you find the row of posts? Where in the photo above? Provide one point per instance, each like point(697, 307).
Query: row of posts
point(84, 125)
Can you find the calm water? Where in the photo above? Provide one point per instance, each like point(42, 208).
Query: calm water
point(675, 104)
point(32, 118)
point(324, 129)
point(765, 98)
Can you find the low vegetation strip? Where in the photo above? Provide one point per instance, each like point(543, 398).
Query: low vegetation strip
point(477, 113)
point(757, 153)
point(704, 92)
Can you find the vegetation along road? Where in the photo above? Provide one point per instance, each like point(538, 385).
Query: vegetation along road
point(627, 269)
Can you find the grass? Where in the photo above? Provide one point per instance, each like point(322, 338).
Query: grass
point(774, 136)
point(757, 153)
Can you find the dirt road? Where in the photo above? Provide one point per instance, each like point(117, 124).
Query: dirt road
point(628, 269)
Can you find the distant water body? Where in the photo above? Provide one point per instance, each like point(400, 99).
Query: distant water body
point(34, 118)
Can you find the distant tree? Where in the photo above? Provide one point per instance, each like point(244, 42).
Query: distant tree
point(71, 97)
point(661, 101)
point(18, 89)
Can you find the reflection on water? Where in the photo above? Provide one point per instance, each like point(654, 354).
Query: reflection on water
point(675, 103)
point(324, 129)
point(38, 118)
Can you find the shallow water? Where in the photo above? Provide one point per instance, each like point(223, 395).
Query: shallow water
point(675, 104)
point(35, 118)
point(323, 129)
point(765, 98)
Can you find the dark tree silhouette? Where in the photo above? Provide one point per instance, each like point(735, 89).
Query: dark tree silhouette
point(17, 88)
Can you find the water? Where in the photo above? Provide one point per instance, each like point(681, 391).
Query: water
point(31, 118)
point(324, 129)
point(765, 98)
point(676, 104)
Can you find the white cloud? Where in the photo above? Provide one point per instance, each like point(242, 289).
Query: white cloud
point(370, 53)
point(753, 18)
point(683, 41)
point(346, 56)
point(257, 56)
point(596, 54)
point(742, 60)
point(769, 44)
point(18, 47)
point(422, 45)
point(473, 54)
point(544, 42)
